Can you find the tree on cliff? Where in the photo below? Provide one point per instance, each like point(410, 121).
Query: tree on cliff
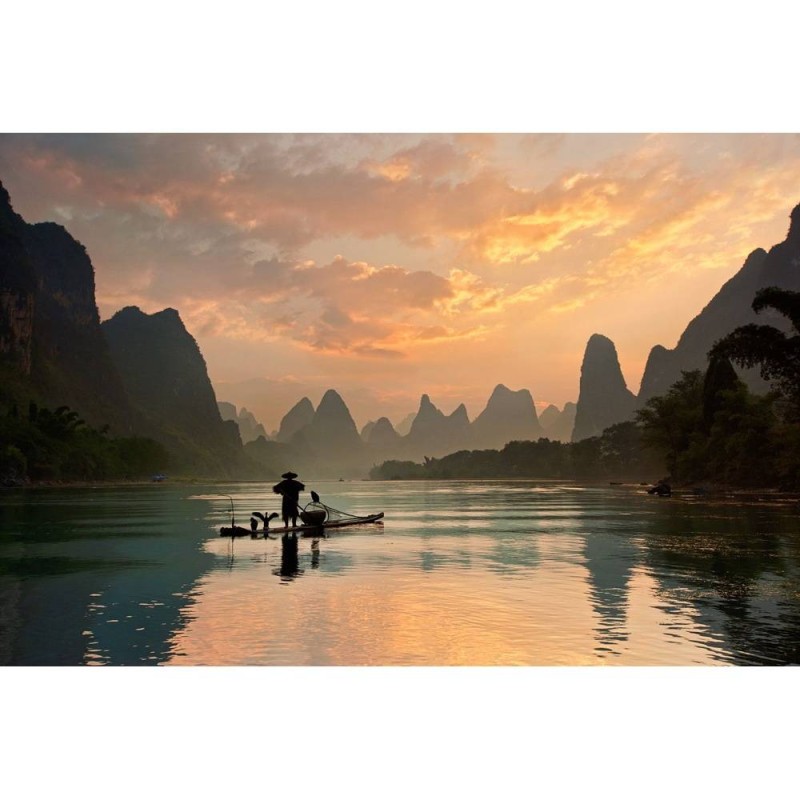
point(777, 353)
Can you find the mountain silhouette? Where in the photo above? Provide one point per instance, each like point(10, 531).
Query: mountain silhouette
point(250, 428)
point(332, 429)
point(165, 376)
point(404, 426)
point(383, 435)
point(298, 416)
point(508, 416)
point(604, 398)
point(434, 433)
point(730, 308)
point(558, 425)
point(50, 337)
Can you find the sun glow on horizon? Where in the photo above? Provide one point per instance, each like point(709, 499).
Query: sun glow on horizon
point(416, 261)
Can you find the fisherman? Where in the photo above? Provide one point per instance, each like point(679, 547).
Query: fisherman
point(290, 490)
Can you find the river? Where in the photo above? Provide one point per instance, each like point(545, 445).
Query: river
point(458, 573)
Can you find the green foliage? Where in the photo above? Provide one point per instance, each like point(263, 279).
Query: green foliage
point(671, 424)
point(13, 464)
point(720, 377)
point(141, 456)
point(777, 354)
point(618, 453)
point(398, 470)
point(706, 428)
point(711, 428)
point(58, 445)
point(741, 442)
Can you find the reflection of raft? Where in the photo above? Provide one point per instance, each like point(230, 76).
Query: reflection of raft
point(305, 529)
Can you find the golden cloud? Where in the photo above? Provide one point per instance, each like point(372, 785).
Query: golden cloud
point(223, 227)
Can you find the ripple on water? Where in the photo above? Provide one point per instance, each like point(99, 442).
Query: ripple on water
point(459, 573)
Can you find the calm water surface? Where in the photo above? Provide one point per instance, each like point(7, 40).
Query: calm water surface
point(459, 573)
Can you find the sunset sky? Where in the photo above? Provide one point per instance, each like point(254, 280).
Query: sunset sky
point(387, 266)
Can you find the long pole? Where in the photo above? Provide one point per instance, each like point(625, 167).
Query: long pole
point(233, 520)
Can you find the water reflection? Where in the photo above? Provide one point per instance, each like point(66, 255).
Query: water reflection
point(462, 573)
point(610, 560)
point(315, 554)
point(290, 563)
point(95, 576)
point(738, 567)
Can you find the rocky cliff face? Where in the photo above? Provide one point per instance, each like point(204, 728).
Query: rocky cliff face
point(508, 416)
point(604, 398)
point(71, 355)
point(17, 291)
point(49, 323)
point(136, 373)
point(728, 309)
point(165, 376)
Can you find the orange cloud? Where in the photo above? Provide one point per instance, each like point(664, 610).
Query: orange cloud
point(448, 239)
point(332, 308)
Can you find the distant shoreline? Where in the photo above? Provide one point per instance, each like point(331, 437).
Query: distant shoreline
point(714, 493)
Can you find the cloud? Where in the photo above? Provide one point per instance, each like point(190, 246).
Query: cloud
point(346, 307)
point(445, 239)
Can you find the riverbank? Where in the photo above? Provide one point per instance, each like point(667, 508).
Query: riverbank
point(704, 493)
point(718, 493)
point(115, 482)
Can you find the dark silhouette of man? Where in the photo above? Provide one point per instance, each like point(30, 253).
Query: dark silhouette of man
point(290, 490)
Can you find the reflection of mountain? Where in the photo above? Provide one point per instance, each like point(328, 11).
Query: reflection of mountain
point(734, 569)
point(511, 555)
point(610, 559)
point(98, 586)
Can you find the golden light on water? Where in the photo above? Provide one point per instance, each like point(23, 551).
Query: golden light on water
point(461, 612)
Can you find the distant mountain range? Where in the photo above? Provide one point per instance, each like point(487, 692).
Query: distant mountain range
point(604, 398)
point(328, 433)
point(249, 427)
point(144, 373)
